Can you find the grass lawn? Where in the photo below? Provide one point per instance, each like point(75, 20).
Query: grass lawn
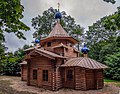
point(108, 80)
point(113, 82)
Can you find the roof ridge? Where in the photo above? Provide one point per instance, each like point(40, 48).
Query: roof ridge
point(58, 31)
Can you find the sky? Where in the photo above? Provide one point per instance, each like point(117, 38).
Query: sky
point(85, 12)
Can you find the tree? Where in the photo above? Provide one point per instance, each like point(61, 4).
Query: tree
point(10, 22)
point(101, 31)
point(103, 40)
point(11, 65)
point(110, 1)
point(105, 47)
point(112, 22)
point(112, 59)
point(44, 24)
point(10, 18)
point(10, 62)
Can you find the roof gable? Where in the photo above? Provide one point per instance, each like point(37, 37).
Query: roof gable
point(43, 52)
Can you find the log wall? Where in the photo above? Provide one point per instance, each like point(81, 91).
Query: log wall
point(41, 63)
point(99, 79)
point(90, 79)
point(70, 52)
point(57, 41)
point(80, 78)
point(24, 72)
point(58, 74)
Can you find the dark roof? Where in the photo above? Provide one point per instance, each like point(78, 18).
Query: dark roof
point(84, 62)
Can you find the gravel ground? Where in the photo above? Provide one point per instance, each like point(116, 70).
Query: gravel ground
point(21, 88)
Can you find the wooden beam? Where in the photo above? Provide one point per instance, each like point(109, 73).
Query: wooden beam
point(28, 73)
point(45, 55)
point(65, 75)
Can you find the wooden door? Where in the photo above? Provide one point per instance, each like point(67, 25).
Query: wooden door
point(90, 79)
point(69, 78)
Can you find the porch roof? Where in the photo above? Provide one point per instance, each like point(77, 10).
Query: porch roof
point(84, 62)
point(43, 52)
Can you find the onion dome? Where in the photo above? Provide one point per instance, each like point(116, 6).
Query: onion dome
point(85, 50)
point(58, 15)
point(37, 40)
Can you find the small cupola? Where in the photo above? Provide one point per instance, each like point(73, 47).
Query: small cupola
point(37, 42)
point(58, 14)
point(85, 50)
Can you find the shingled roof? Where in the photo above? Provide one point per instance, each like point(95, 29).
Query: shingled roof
point(84, 62)
point(58, 31)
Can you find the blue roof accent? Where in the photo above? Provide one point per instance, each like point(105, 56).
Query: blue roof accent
point(37, 40)
point(85, 50)
point(58, 15)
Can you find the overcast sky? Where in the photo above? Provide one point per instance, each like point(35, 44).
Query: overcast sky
point(85, 12)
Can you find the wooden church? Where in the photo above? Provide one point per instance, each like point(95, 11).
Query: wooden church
point(54, 63)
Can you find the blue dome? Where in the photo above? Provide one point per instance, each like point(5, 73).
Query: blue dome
point(85, 50)
point(37, 41)
point(58, 15)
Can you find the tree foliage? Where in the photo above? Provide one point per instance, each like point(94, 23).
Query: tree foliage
point(104, 29)
point(10, 18)
point(103, 39)
point(110, 1)
point(10, 62)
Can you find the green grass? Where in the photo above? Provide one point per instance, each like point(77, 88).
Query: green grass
point(109, 80)
point(114, 82)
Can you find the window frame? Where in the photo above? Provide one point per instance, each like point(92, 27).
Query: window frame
point(69, 75)
point(34, 76)
point(49, 44)
point(45, 75)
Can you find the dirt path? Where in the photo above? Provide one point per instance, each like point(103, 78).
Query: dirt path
point(19, 85)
